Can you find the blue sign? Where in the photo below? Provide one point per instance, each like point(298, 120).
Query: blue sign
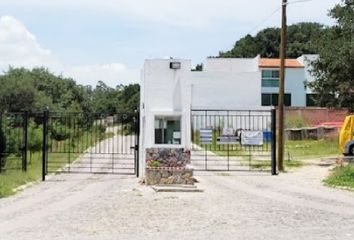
point(206, 136)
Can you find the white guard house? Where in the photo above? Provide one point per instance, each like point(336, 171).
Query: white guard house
point(170, 90)
point(165, 107)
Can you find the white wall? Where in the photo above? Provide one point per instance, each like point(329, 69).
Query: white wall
point(164, 92)
point(306, 61)
point(231, 65)
point(222, 90)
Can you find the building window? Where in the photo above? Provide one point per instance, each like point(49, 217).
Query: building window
point(271, 99)
point(270, 78)
point(310, 100)
point(168, 130)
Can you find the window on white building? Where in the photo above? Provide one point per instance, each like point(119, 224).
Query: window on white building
point(271, 99)
point(270, 78)
point(310, 100)
point(168, 130)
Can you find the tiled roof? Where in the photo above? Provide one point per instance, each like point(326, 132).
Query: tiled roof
point(275, 63)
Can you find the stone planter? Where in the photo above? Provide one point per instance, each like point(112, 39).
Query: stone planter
point(168, 166)
point(156, 176)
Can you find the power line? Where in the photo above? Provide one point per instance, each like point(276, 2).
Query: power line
point(264, 20)
point(272, 14)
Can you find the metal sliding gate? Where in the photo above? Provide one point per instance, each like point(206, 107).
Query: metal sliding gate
point(91, 143)
point(233, 140)
point(70, 142)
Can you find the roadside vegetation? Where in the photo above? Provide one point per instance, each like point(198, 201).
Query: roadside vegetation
point(342, 176)
point(309, 149)
point(38, 90)
point(12, 176)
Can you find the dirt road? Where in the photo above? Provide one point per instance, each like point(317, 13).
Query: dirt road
point(232, 206)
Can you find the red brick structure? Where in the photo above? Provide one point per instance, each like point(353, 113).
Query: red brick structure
point(314, 116)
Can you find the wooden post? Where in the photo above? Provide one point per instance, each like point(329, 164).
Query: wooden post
point(281, 89)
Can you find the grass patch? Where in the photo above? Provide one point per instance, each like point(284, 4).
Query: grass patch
point(341, 177)
point(11, 179)
point(295, 150)
point(12, 176)
point(294, 164)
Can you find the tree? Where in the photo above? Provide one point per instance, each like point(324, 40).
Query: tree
point(38, 89)
point(17, 92)
point(198, 68)
point(129, 99)
point(334, 70)
point(2, 146)
point(105, 99)
point(301, 40)
point(34, 138)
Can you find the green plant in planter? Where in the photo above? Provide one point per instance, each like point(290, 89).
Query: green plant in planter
point(154, 164)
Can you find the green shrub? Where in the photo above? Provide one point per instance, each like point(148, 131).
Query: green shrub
point(101, 128)
point(35, 138)
point(2, 147)
point(154, 164)
point(14, 141)
point(60, 132)
point(342, 177)
point(295, 122)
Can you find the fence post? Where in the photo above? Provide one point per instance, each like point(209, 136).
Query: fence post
point(44, 145)
point(25, 141)
point(137, 135)
point(273, 128)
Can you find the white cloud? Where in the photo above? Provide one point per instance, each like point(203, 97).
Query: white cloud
point(20, 48)
point(193, 13)
point(112, 74)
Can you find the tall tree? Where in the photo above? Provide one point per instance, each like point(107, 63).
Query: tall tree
point(334, 70)
point(301, 40)
point(38, 89)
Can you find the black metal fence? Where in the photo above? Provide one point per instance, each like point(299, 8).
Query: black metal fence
point(13, 144)
point(233, 140)
point(92, 143)
point(70, 142)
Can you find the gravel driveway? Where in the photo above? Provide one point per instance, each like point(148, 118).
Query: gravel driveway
point(240, 205)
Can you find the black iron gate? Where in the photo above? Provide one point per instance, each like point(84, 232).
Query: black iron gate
point(233, 140)
point(13, 141)
point(91, 143)
point(71, 142)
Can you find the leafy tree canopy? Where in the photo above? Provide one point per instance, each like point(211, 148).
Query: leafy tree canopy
point(38, 89)
point(301, 39)
point(334, 70)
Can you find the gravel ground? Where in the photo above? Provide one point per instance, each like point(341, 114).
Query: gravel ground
point(239, 205)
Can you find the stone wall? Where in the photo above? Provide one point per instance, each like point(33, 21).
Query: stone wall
point(155, 176)
point(168, 166)
point(167, 157)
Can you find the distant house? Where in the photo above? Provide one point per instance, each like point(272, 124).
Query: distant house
point(258, 78)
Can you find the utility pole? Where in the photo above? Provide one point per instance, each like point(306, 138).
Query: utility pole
point(281, 89)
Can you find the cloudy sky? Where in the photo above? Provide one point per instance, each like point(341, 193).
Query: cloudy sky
point(108, 40)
